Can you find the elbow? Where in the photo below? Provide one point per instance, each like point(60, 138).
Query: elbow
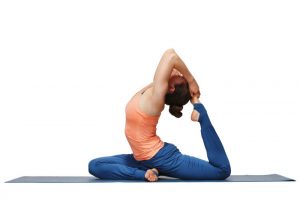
point(170, 54)
point(170, 50)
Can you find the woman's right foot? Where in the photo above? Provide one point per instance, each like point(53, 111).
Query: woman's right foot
point(152, 175)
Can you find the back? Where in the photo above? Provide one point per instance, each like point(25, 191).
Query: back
point(140, 130)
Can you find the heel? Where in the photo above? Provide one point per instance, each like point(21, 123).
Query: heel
point(200, 108)
point(195, 116)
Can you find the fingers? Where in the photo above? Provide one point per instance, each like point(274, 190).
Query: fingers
point(195, 94)
point(194, 89)
point(195, 99)
point(175, 72)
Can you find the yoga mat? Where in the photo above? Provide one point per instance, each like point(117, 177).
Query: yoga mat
point(90, 179)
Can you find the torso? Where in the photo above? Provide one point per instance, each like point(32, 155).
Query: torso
point(141, 122)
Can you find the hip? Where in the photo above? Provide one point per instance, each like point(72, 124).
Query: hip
point(168, 153)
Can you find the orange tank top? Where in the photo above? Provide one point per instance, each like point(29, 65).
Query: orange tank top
point(140, 131)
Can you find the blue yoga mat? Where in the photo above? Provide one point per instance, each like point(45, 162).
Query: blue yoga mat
point(90, 179)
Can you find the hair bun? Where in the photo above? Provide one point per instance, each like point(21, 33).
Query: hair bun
point(176, 110)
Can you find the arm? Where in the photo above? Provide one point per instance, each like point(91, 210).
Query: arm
point(163, 73)
point(169, 63)
point(193, 85)
point(180, 66)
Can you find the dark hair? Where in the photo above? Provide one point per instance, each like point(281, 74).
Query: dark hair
point(178, 99)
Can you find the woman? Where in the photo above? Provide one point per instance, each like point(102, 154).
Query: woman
point(175, 86)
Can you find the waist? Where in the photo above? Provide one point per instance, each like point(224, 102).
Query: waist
point(145, 149)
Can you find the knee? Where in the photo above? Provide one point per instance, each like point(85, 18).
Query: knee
point(92, 167)
point(97, 166)
point(225, 172)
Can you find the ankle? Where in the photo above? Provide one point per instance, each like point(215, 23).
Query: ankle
point(199, 107)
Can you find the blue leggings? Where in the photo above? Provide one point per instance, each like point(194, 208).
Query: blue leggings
point(169, 160)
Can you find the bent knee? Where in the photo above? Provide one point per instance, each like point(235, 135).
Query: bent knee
point(225, 172)
point(92, 167)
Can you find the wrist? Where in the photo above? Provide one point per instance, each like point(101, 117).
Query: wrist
point(192, 79)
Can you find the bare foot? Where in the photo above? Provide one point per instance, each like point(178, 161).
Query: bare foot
point(195, 114)
point(151, 176)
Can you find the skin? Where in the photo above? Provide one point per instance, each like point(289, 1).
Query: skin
point(150, 175)
point(195, 114)
point(171, 70)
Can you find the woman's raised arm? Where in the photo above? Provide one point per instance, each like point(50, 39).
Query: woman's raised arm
point(168, 62)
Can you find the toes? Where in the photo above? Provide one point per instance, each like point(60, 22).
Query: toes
point(153, 178)
point(151, 175)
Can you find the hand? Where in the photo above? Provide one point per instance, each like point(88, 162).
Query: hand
point(195, 100)
point(194, 88)
point(175, 72)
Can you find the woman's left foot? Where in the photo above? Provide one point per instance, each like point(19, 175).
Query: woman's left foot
point(195, 114)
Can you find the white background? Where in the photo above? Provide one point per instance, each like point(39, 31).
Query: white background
point(68, 68)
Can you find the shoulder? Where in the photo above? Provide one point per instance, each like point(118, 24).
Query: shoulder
point(148, 103)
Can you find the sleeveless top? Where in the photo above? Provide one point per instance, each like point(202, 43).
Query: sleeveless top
point(140, 131)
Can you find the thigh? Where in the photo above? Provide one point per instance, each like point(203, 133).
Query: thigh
point(189, 167)
point(123, 159)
